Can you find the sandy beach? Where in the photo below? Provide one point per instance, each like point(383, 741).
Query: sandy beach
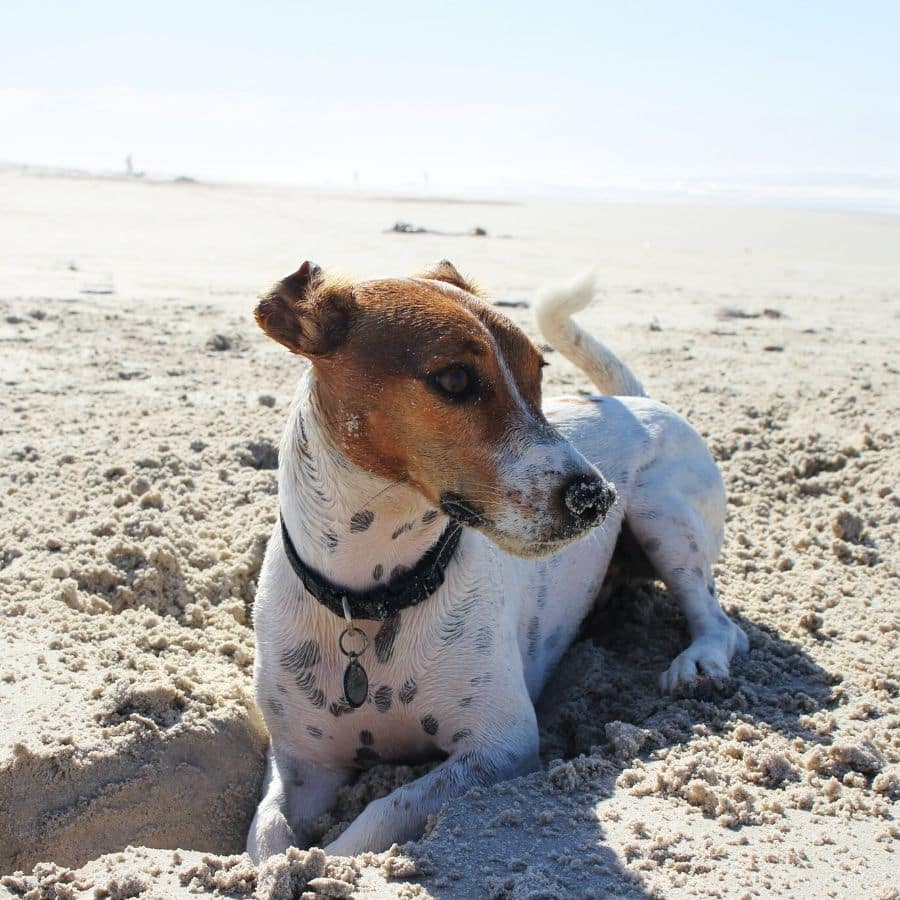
point(141, 411)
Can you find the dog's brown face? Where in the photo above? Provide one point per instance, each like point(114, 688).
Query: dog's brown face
point(420, 381)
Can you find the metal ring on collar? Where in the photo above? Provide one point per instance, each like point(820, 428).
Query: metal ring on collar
point(350, 631)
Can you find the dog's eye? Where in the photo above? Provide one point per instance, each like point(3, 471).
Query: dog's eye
point(455, 382)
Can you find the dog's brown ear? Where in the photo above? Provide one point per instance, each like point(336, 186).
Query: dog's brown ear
point(307, 312)
point(446, 271)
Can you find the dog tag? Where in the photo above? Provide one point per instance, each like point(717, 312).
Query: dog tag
point(356, 683)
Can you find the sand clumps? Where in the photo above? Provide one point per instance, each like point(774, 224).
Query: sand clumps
point(139, 872)
point(138, 490)
point(297, 873)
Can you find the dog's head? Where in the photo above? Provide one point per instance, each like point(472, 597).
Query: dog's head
point(418, 380)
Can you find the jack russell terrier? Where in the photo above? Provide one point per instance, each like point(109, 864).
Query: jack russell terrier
point(442, 536)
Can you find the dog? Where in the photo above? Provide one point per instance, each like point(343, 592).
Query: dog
point(442, 536)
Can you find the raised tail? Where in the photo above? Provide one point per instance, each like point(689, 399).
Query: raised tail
point(554, 311)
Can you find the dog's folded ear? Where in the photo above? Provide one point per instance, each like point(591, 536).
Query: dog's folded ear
point(446, 271)
point(308, 311)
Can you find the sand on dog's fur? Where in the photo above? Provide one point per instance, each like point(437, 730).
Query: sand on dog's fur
point(140, 415)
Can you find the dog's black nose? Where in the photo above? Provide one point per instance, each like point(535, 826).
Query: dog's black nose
point(586, 499)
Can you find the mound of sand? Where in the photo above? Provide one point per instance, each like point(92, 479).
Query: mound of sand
point(140, 414)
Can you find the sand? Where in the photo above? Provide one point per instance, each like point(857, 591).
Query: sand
point(140, 413)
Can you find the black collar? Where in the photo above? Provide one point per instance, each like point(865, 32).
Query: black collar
point(405, 589)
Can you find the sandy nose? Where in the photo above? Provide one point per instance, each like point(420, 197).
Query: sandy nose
point(587, 499)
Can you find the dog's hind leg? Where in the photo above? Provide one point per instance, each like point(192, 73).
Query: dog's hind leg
point(295, 794)
point(681, 546)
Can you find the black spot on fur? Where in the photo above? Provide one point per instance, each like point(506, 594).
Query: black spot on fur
point(276, 706)
point(361, 520)
point(480, 765)
point(534, 634)
point(485, 678)
point(329, 541)
point(280, 688)
point(303, 439)
point(366, 737)
point(465, 701)
point(484, 639)
point(652, 545)
point(306, 684)
point(299, 661)
point(542, 586)
point(377, 572)
point(438, 786)
point(430, 725)
point(366, 756)
point(430, 516)
point(453, 627)
point(385, 638)
point(340, 708)
point(314, 732)
point(408, 691)
point(398, 570)
point(406, 526)
point(383, 698)
point(303, 656)
point(697, 571)
point(694, 547)
point(461, 735)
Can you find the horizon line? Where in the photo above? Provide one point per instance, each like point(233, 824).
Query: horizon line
point(851, 192)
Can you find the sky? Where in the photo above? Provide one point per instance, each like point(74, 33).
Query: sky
point(502, 97)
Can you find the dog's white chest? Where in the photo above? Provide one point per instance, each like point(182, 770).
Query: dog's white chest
point(432, 668)
point(437, 671)
point(554, 596)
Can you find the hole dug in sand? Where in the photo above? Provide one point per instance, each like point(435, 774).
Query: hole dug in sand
point(160, 762)
point(125, 683)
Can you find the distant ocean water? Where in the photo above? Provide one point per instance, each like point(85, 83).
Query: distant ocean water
point(851, 193)
point(848, 192)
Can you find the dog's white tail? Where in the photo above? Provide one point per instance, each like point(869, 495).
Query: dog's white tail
point(554, 311)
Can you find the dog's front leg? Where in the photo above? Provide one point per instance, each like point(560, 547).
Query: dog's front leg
point(295, 794)
point(402, 815)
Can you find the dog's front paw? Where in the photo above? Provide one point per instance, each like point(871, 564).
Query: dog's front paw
point(377, 827)
point(352, 842)
point(709, 656)
point(269, 835)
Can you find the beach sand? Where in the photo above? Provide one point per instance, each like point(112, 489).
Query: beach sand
point(141, 409)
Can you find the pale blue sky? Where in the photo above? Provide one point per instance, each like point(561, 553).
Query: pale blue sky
point(506, 96)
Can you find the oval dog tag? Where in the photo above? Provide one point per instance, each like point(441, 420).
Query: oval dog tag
point(356, 683)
